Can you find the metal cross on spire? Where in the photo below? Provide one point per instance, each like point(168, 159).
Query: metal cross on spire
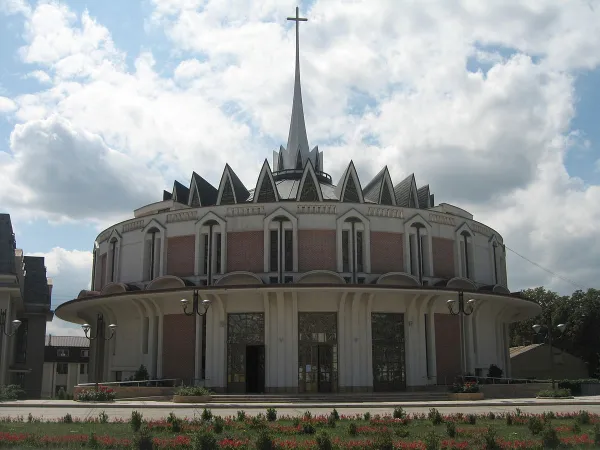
point(297, 139)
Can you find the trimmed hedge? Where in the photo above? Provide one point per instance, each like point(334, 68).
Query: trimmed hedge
point(575, 385)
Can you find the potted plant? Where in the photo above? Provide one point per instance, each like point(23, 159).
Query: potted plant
point(468, 390)
point(192, 394)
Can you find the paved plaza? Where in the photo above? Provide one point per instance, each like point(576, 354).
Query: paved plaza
point(51, 409)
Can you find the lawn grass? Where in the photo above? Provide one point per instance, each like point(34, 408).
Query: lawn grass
point(358, 432)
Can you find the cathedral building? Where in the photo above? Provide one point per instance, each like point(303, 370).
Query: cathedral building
point(298, 284)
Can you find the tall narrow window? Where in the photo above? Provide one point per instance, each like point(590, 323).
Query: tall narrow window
point(205, 255)
point(113, 258)
point(346, 251)
point(281, 247)
point(353, 247)
point(95, 255)
point(298, 160)
point(417, 239)
point(467, 257)
point(153, 258)
point(145, 334)
point(274, 250)
point(494, 246)
point(218, 252)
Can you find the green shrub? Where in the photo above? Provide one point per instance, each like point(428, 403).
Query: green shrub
point(136, 421)
point(384, 441)
point(218, 425)
point(193, 391)
point(435, 416)
point(103, 417)
point(556, 393)
point(399, 413)
point(509, 419)
point(471, 419)
point(575, 385)
point(402, 432)
point(296, 422)
point(174, 422)
point(576, 428)
point(264, 441)
point(451, 429)
point(550, 437)
point(92, 441)
point(367, 416)
point(62, 394)
point(489, 439)
point(11, 392)
point(308, 428)
point(432, 441)
point(535, 425)
point(143, 440)
point(335, 414)
point(352, 429)
point(207, 415)
point(494, 371)
point(583, 417)
point(331, 421)
point(258, 422)
point(597, 434)
point(204, 440)
point(491, 416)
point(271, 414)
point(141, 374)
point(324, 441)
point(241, 416)
point(68, 418)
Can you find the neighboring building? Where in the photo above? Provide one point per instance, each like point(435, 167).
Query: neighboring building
point(315, 286)
point(25, 294)
point(533, 361)
point(66, 361)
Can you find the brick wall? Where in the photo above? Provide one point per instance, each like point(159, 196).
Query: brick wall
point(102, 278)
point(245, 251)
point(316, 250)
point(180, 255)
point(443, 257)
point(447, 347)
point(179, 338)
point(387, 252)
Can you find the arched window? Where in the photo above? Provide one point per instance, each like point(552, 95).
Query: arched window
point(113, 252)
point(211, 250)
point(152, 243)
point(353, 247)
point(95, 255)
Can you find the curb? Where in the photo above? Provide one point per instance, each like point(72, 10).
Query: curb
point(475, 403)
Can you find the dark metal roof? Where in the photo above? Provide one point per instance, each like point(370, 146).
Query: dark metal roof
point(181, 193)
point(36, 289)
point(372, 190)
point(208, 193)
point(241, 193)
point(167, 195)
point(402, 191)
point(424, 197)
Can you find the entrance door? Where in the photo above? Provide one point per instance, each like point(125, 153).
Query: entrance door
point(255, 369)
point(325, 368)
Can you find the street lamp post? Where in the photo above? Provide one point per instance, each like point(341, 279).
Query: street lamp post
point(100, 334)
point(196, 308)
point(200, 309)
point(538, 328)
point(463, 309)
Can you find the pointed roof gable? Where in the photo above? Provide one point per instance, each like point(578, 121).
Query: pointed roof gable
point(202, 192)
point(380, 189)
point(231, 188)
point(424, 197)
point(406, 192)
point(167, 195)
point(348, 188)
point(180, 193)
point(309, 189)
point(266, 190)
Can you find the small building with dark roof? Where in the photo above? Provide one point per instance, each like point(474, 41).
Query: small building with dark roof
point(66, 361)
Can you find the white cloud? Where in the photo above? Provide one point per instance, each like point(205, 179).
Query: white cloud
point(10, 7)
point(383, 82)
point(40, 76)
point(7, 105)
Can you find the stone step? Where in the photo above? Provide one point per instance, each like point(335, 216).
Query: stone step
point(331, 398)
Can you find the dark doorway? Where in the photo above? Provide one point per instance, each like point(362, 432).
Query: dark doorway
point(255, 369)
point(325, 368)
point(389, 371)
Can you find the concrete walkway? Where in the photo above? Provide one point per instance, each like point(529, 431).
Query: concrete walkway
point(132, 404)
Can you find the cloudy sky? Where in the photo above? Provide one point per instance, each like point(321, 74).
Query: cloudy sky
point(494, 103)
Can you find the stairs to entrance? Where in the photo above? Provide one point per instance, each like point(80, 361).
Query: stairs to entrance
point(350, 397)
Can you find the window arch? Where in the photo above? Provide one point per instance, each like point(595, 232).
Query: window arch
point(211, 237)
point(114, 256)
point(153, 250)
point(281, 246)
point(353, 247)
point(418, 259)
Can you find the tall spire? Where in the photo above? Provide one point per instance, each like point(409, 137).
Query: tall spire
point(297, 139)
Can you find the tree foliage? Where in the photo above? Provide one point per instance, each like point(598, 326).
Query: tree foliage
point(580, 312)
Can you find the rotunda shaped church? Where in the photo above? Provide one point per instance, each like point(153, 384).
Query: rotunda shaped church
point(298, 284)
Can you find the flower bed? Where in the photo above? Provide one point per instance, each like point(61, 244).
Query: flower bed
point(357, 432)
point(102, 394)
point(192, 394)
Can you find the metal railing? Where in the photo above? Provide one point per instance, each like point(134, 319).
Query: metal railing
point(167, 382)
point(493, 380)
